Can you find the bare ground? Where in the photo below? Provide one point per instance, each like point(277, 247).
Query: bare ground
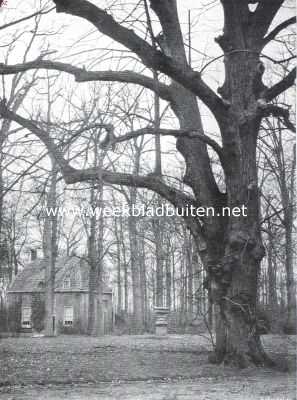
point(138, 368)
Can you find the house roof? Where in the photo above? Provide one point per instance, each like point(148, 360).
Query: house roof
point(32, 277)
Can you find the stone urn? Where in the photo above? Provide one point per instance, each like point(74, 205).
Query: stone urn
point(161, 320)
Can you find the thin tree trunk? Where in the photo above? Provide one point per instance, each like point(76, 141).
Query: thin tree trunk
point(291, 288)
point(125, 265)
point(159, 261)
point(93, 273)
point(282, 293)
point(134, 253)
point(168, 276)
point(190, 280)
point(119, 278)
point(143, 279)
point(182, 290)
point(135, 270)
point(173, 281)
point(197, 283)
point(50, 254)
point(291, 325)
point(95, 254)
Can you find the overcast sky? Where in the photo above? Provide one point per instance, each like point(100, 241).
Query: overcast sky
point(78, 42)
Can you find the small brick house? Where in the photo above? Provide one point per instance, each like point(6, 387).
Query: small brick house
point(71, 296)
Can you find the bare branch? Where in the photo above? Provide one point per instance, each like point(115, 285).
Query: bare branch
point(26, 18)
point(81, 75)
point(192, 134)
point(43, 136)
point(150, 57)
point(278, 29)
point(280, 112)
point(281, 86)
point(72, 175)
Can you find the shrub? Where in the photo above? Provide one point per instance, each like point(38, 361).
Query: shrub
point(14, 311)
point(38, 311)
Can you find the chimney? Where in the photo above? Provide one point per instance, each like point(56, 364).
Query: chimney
point(33, 254)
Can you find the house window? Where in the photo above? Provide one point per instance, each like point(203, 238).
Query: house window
point(67, 282)
point(78, 279)
point(26, 317)
point(68, 316)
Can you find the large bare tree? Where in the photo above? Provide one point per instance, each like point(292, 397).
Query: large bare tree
point(230, 247)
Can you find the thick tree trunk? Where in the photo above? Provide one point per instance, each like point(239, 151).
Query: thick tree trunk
point(233, 292)
point(234, 278)
point(233, 249)
point(239, 315)
point(234, 272)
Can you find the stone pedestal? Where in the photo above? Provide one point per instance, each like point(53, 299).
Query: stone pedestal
point(161, 320)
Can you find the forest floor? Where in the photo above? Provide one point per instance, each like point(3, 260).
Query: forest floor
point(146, 367)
